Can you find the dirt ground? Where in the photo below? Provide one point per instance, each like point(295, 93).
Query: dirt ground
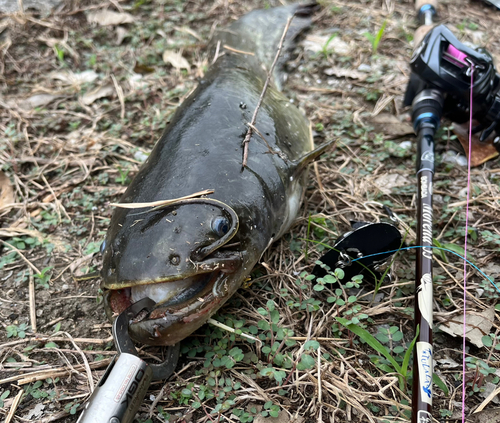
point(88, 88)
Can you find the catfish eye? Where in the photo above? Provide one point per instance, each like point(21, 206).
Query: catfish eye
point(220, 226)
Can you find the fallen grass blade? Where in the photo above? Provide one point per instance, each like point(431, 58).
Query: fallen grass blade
point(406, 359)
point(370, 340)
point(440, 384)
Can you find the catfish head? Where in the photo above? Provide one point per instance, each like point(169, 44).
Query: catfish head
point(181, 257)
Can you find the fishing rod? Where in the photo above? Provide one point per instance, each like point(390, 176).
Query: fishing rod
point(427, 111)
point(443, 74)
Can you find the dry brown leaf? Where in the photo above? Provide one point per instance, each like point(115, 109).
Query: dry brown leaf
point(72, 78)
point(121, 34)
point(101, 92)
point(37, 100)
point(489, 389)
point(6, 191)
point(108, 17)
point(477, 326)
point(481, 151)
point(390, 125)
point(36, 412)
point(175, 59)
point(485, 416)
point(136, 81)
point(188, 31)
point(388, 181)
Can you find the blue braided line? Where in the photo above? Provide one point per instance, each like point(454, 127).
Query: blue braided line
point(437, 248)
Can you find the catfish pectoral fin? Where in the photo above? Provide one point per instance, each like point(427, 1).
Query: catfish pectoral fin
point(301, 163)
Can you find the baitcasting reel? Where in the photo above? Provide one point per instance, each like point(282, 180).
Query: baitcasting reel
point(443, 63)
point(361, 251)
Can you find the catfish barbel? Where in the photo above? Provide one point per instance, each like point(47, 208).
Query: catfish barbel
point(191, 256)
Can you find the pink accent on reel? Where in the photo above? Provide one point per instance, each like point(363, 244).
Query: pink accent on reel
point(456, 57)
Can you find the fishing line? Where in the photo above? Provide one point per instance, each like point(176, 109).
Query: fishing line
point(436, 248)
point(466, 232)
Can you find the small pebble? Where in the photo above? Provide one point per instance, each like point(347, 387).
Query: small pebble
point(364, 68)
point(454, 158)
point(140, 156)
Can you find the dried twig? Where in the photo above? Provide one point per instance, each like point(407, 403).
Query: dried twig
point(121, 96)
point(320, 392)
point(488, 400)
point(248, 53)
point(38, 338)
point(216, 55)
point(161, 202)
point(57, 203)
point(266, 84)
point(53, 373)
point(254, 129)
point(230, 329)
point(32, 300)
point(21, 255)
point(14, 406)
point(85, 362)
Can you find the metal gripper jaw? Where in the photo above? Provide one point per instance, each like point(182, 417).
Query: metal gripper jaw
point(121, 390)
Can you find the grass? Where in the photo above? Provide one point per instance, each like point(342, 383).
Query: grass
point(322, 348)
point(400, 368)
point(324, 48)
point(375, 39)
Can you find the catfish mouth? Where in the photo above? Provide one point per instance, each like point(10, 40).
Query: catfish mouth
point(182, 293)
point(175, 294)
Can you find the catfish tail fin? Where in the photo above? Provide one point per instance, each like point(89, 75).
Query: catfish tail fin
point(259, 33)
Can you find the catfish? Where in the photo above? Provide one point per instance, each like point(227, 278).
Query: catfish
point(192, 255)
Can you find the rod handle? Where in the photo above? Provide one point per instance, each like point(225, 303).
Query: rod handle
point(420, 3)
point(120, 392)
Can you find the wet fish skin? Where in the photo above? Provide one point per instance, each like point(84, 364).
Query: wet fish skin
point(201, 149)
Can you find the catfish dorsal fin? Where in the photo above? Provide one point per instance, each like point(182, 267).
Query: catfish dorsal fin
point(301, 163)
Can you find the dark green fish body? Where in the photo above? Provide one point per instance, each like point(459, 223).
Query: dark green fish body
point(190, 257)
